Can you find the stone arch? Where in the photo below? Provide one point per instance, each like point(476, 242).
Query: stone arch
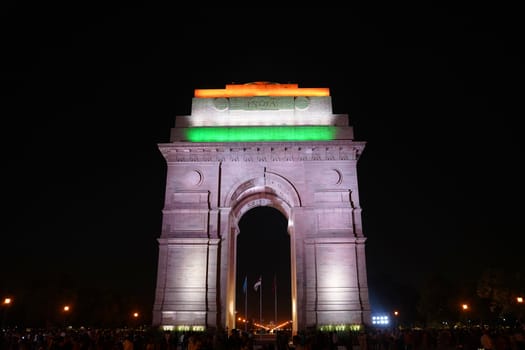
point(261, 198)
point(261, 192)
point(271, 183)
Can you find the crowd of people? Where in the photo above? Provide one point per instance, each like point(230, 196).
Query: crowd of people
point(369, 339)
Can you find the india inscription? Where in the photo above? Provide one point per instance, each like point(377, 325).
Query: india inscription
point(261, 103)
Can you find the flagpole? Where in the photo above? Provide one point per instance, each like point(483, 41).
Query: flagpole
point(260, 305)
point(245, 305)
point(245, 290)
point(258, 288)
point(275, 295)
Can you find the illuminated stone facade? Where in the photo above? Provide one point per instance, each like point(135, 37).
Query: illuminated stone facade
point(261, 144)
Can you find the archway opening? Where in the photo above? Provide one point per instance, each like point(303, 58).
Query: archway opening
point(263, 250)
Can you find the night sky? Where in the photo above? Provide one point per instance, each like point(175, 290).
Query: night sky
point(435, 90)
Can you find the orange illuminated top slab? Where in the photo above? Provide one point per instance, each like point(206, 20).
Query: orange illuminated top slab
point(261, 88)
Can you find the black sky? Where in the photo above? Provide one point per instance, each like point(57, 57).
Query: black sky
point(87, 94)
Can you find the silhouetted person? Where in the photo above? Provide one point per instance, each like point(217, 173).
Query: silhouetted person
point(486, 340)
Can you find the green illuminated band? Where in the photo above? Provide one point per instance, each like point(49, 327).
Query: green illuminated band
point(261, 133)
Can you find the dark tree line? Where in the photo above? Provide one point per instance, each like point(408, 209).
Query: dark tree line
point(491, 299)
point(41, 304)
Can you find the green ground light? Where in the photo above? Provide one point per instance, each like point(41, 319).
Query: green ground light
point(261, 133)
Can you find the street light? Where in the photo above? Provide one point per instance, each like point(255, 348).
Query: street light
point(66, 310)
point(519, 300)
point(6, 302)
point(135, 317)
point(396, 318)
point(465, 308)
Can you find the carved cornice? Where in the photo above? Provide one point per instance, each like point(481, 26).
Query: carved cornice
point(261, 152)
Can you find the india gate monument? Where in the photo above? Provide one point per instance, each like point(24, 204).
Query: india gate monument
point(254, 145)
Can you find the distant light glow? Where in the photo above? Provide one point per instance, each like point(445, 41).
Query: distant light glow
point(380, 320)
point(285, 323)
point(183, 328)
point(340, 327)
point(255, 134)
